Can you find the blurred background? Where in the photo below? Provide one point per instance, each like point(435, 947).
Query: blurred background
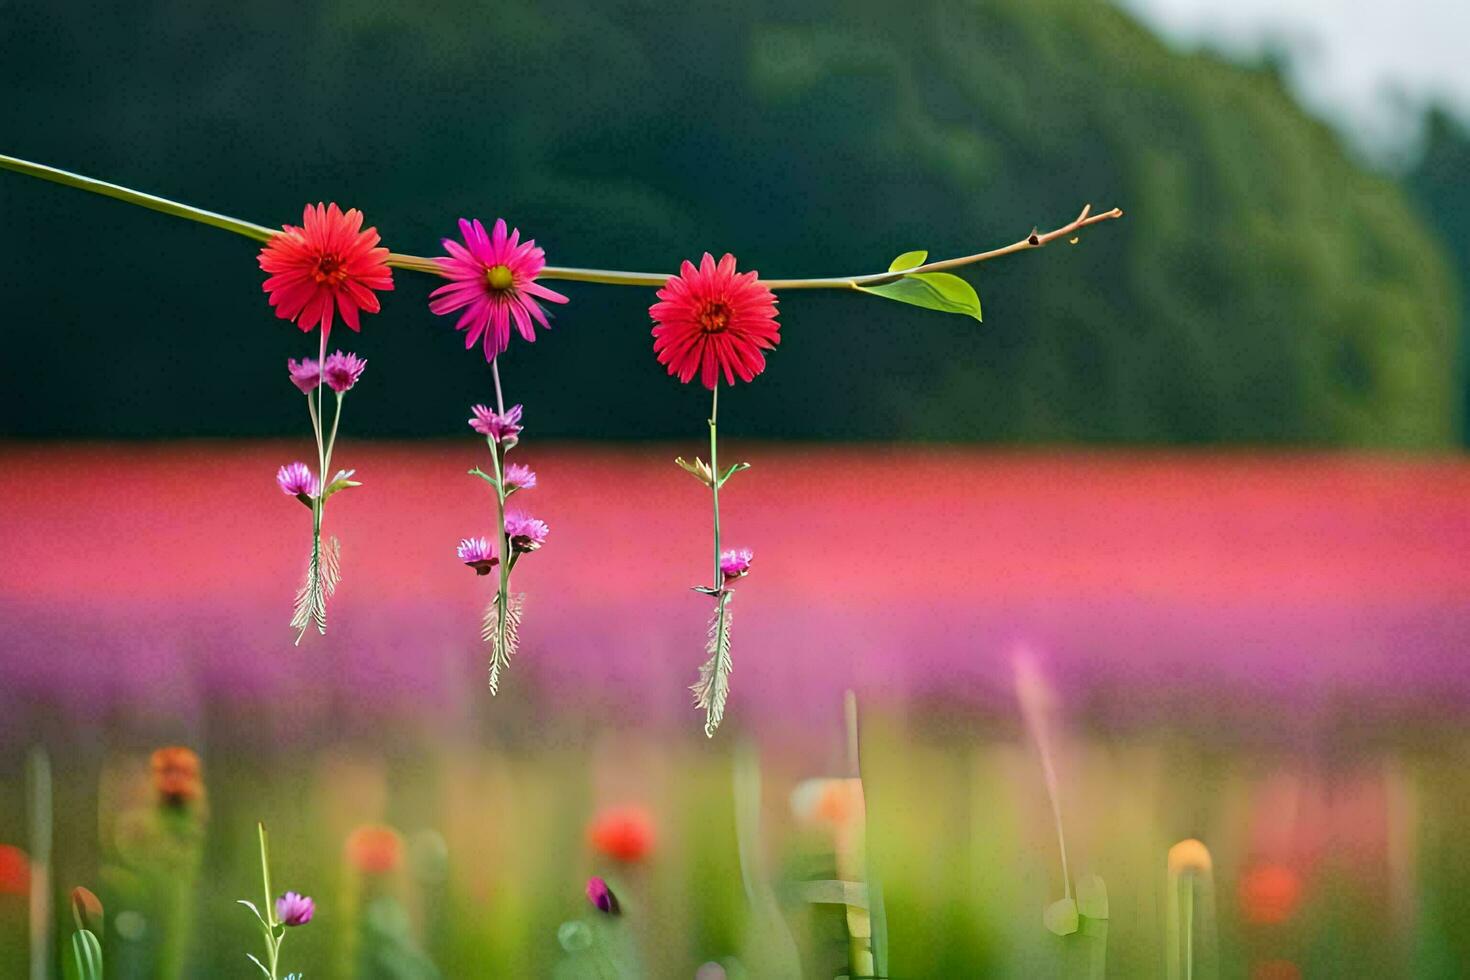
point(1206, 466)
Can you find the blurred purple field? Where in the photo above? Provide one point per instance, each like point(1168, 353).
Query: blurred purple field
point(146, 581)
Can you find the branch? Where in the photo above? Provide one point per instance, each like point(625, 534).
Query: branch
point(611, 277)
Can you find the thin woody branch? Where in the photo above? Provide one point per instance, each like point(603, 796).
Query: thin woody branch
point(611, 277)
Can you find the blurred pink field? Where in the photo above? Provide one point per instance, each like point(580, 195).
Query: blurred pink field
point(1319, 581)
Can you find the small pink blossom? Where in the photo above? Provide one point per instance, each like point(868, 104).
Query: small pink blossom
point(601, 896)
point(493, 279)
point(525, 533)
point(297, 480)
point(735, 563)
point(519, 477)
point(306, 374)
point(479, 554)
point(502, 428)
point(343, 370)
point(294, 910)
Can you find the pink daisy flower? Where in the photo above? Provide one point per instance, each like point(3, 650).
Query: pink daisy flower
point(306, 374)
point(297, 480)
point(712, 320)
point(478, 554)
point(503, 428)
point(735, 563)
point(343, 370)
point(329, 265)
point(493, 279)
point(525, 533)
point(519, 477)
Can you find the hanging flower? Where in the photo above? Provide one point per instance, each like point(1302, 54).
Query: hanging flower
point(493, 279)
point(297, 480)
point(525, 533)
point(712, 321)
point(479, 554)
point(342, 371)
point(329, 265)
point(306, 374)
point(502, 427)
point(735, 563)
point(519, 477)
point(294, 910)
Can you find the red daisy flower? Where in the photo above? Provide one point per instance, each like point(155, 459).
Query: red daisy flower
point(329, 265)
point(713, 320)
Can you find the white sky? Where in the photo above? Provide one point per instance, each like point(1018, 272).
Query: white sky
point(1356, 62)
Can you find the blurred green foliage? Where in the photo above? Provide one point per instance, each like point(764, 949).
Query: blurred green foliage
point(1440, 186)
point(1372, 846)
point(1263, 287)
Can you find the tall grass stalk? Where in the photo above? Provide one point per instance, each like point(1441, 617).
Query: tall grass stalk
point(1036, 700)
point(38, 793)
point(868, 928)
point(1191, 950)
point(778, 950)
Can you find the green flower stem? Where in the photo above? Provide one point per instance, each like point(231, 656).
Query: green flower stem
point(714, 486)
point(272, 942)
point(323, 453)
point(608, 277)
point(332, 440)
point(502, 595)
point(718, 583)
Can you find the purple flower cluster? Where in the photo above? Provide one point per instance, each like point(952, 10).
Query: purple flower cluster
point(525, 533)
point(479, 554)
point(735, 563)
point(503, 429)
point(297, 480)
point(340, 371)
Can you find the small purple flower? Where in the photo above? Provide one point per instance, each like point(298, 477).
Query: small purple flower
point(502, 428)
point(306, 374)
point(735, 563)
point(342, 371)
point(478, 554)
point(525, 533)
point(294, 910)
point(296, 480)
point(601, 896)
point(519, 477)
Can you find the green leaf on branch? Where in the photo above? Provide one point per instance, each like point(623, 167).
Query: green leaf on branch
point(341, 481)
point(732, 471)
point(932, 290)
point(908, 260)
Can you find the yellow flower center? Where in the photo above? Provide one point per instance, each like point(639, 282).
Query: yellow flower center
point(499, 277)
